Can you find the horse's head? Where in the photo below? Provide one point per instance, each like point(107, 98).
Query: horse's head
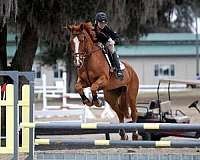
point(81, 42)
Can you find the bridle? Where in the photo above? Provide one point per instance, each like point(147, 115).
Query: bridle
point(79, 57)
point(82, 56)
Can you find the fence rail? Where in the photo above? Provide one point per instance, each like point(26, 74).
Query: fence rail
point(109, 143)
point(110, 126)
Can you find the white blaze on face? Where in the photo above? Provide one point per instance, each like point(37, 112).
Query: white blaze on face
point(76, 44)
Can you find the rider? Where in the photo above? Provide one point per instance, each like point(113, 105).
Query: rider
point(107, 37)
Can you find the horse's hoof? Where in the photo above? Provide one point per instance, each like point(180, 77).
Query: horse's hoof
point(135, 137)
point(124, 137)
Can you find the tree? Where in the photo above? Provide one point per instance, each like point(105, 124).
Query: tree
point(8, 8)
point(38, 20)
point(44, 20)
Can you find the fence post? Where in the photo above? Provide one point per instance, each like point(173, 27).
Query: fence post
point(12, 104)
point(14, 121)
point(9, 104)
point(44, 89)
point(28, 98)
point(25, 104)
point(64, 98)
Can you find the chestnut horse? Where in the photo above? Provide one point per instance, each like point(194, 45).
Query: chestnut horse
point(94, 72)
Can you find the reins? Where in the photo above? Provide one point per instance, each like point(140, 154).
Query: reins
point(85, 54)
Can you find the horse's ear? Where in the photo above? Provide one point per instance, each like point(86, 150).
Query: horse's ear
point(82, 27)
point(87, 21)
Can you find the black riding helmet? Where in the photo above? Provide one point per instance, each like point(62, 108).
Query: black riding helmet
point(101, 17)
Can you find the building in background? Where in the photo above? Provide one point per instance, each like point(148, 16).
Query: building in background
point(158, 55)
point(53, 73)
point(162, 55)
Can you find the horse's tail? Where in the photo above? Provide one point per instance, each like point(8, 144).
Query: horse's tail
point(123, 102)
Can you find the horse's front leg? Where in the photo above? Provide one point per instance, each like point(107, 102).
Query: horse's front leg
point(79, 88)
point(100, 83)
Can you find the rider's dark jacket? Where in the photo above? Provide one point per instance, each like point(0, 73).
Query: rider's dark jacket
point(104, 34)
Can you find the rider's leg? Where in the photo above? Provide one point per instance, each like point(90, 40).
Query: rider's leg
point(118, 68)
point(110, 58)
point(107, 54)
point(115, 58)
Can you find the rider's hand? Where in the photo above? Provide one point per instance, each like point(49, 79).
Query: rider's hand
point(111, 41)
point(117, 41)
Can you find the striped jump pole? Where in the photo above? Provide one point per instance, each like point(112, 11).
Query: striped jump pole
point(119, 143)
point(113, 126)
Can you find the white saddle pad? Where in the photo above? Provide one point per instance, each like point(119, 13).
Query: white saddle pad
point(122, 66)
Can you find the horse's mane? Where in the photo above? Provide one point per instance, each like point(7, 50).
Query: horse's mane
point(89, 28)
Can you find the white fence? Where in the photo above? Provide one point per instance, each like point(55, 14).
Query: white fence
point(59, 92)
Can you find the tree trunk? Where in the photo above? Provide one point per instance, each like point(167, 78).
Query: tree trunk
point(25, 53)
point(3, 43)
point(3, 66)
point(69, 68)
point(71, 71)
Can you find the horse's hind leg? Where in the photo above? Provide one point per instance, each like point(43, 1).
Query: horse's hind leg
point(112, 100)
point(134, 117)
point(132, 95)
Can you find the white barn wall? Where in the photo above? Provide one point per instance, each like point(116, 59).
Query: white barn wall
point(48, 71)
point(185, 67)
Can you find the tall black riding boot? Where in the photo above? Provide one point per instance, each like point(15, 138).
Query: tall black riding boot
point(119, 73)
point(111, 59)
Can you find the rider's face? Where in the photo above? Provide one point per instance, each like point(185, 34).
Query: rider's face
point(101, 25)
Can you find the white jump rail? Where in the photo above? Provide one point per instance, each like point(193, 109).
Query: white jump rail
point(60, 92)
point(66, 109)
